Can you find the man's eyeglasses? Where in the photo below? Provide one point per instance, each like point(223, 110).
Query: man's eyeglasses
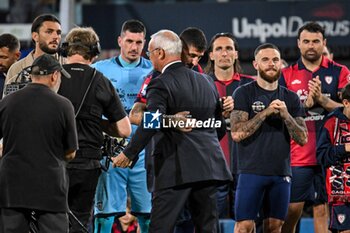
point(148, 53)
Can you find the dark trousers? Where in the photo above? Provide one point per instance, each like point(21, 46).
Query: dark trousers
point(17, 220)
point(82, 187)
point(184, 222)
point(168, 203)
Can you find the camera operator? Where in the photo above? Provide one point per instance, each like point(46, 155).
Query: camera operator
point(93, 96)
point(39, 133)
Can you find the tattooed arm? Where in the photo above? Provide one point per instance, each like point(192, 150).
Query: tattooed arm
point(136, 113)
point(242, 128)
point(297, 129)
point(296, 126)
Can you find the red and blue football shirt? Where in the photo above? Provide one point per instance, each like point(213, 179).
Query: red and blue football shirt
point(333, 78)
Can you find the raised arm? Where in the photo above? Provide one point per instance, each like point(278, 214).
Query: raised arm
point(324, 101)
point(242, 128)
point(297, 129)
point(296, 126)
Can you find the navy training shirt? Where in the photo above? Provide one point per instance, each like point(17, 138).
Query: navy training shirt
point(267, 151)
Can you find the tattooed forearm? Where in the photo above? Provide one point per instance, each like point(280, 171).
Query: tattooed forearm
point(241, 127)
point(136, 113)
point(297, 129)
point(328, 103)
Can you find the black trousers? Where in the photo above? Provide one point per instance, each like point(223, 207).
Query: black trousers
point(17, 220)
point(168, 203)
point(82, 187)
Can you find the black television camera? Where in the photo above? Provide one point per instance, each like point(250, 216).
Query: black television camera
point(112, 147)
point(22, 79)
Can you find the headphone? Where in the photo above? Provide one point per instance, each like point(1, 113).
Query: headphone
point(94, 49)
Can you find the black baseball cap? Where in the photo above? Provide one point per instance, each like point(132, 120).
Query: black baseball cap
point(47, 64)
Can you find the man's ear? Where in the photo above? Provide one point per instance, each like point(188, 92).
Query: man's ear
point(236, 55)
point(255, 64)
point(54, 76)
point(161, 53)
point(120, 40)
point(17, 55)
point(211, 56)
point(35, 36)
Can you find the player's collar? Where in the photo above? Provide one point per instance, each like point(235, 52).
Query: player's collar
point(126, 64)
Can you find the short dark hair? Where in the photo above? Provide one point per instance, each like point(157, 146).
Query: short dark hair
point(134, 26)
point(265, 46)
point(345, 92)
point(311, 27)
point(38, 21)
point(210, 65)
point(9, 41)
point(195, 37)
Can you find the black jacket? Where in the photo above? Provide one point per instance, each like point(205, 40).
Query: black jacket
point(183, 158)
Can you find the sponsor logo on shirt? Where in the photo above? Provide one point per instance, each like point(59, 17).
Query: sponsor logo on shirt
point(258, 106)
point(296, 81)
point(314, 118)
point(302, 93)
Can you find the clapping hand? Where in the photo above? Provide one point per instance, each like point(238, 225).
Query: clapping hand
point(227, 105)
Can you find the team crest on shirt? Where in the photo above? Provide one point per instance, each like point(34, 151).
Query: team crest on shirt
point(348, 78)
point(328, 79)
point(258, 106)
point(341, 218)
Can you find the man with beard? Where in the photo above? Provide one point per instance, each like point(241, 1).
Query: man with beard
point(46, 35)
point(194, 45)
point(9, 54)
point(223, 66)
point(126, 73)
point(187, 166)
point(265, 117)
point(318, 81)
